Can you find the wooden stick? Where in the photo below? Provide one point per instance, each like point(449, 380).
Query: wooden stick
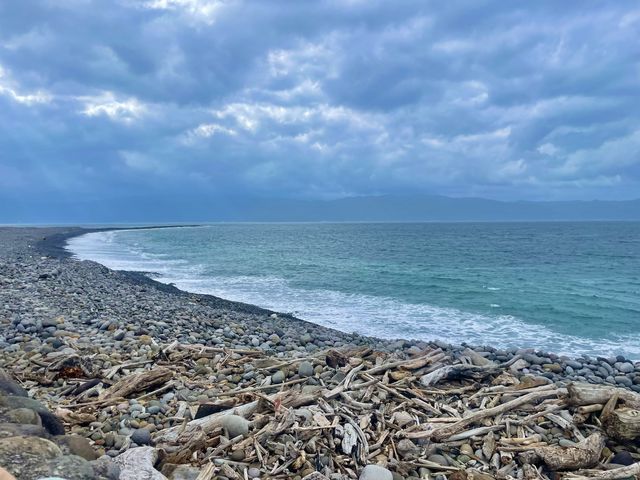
point(615, 474)
point(445, 432)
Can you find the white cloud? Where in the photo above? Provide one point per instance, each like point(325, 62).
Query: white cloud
point(307, 60)
point(206, 130)
point(210, 129)
point(204, 10)
point(250, 116)
point(107, 104)
point(8, 89)
point(548, 149)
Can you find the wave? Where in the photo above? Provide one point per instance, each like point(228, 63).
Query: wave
point(364, 314)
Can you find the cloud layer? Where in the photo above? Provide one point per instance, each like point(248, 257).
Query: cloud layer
point(320, 99)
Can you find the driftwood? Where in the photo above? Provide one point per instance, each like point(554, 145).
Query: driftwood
point(457, 372)
point(445, 432)
point(584, 455)
point(623, 424)
point(211, 422)
point(357, 407)
point(589, 394)
point(137, 382)
point(615, 474)
point(138, 464)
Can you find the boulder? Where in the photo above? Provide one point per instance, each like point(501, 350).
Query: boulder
point(70, 467)
point(19, 430)
point(28, 457)
point(105, 467)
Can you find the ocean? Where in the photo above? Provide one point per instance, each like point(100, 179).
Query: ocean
point(569, 288)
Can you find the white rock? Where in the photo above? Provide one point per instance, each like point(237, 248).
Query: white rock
point(375, 472)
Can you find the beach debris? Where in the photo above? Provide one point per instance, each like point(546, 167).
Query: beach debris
point(370, 416)
point(138, 464)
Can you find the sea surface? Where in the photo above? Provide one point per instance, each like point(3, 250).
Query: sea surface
point(571, 288)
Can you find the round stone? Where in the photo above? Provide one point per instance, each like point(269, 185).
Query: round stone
point(278, 377)
point(305, 369)
point(141, 436)
point(253, 472)
point(625, 367)
point(375, 472)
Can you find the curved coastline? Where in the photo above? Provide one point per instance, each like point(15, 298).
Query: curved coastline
point(55, 246)
point(442, 333)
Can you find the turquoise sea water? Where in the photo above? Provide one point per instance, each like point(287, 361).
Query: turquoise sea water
point(564, 287)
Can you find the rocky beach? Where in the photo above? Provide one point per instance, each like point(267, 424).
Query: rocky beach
point(111, 375)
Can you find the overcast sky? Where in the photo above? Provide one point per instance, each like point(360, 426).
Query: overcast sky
point(319, 99)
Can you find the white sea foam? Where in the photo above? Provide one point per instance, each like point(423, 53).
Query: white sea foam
point(364, 314)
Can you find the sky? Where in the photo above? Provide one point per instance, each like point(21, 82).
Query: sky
point(200, 99)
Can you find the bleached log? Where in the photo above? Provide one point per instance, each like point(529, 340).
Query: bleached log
point(455, 372)
point(137, 464)
point(623, 424)
point(615, 474)
point(584, 455)
point(586, 409)
point(411, 364)
point(587, 394)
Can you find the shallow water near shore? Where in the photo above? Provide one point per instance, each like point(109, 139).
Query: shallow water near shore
point(570, 288)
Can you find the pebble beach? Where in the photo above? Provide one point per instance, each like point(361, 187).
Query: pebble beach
point(111, 375)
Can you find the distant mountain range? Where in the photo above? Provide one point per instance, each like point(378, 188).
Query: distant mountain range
point(387, 208)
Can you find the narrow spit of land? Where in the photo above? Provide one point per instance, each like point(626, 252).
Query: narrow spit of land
point(108, 375)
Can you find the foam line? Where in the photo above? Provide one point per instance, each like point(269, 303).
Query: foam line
point(365, 314)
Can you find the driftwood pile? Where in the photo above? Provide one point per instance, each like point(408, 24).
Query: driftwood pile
point(420, 415)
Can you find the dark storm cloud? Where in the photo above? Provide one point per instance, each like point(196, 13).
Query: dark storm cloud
point(319, 99)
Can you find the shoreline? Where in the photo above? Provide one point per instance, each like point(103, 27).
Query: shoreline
point(58, 246)
point(55, 246)
point(124, 364)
